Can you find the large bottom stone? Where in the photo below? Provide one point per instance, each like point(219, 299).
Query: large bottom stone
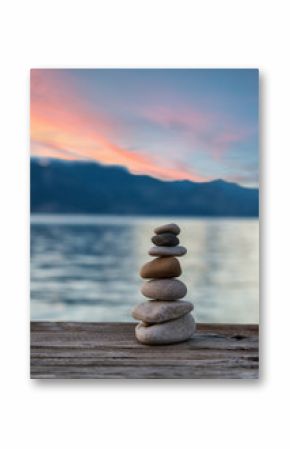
point(160, 311)
point(173, 331)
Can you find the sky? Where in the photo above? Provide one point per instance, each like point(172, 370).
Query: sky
point(195, 124)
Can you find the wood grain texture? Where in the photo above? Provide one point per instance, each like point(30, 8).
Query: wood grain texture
point(70, 350)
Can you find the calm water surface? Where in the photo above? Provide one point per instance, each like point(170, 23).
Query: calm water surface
point(85, 268)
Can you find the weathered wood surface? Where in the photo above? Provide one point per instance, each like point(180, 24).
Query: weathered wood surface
point(67, 350)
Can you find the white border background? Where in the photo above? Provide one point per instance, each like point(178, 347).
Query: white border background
point(143, 414)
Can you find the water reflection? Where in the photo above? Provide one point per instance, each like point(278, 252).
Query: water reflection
point(86, 268)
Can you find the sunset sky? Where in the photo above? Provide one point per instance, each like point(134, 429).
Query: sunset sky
point(171, 124)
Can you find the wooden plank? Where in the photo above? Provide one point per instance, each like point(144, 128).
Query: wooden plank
point(69, 350)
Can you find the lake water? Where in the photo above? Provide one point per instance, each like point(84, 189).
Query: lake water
point(85, 268)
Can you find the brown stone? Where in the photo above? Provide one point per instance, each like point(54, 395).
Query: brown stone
point(161, 267)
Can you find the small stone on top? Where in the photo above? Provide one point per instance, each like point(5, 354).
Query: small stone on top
point(171, 227)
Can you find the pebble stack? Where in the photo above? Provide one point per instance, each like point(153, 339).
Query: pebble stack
point(165, 317)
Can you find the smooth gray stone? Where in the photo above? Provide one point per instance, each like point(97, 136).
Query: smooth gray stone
point(170, 227)
point(165, 239)
point(164, 289)
point(160, 311)
point(165, 251)
point(173, 331)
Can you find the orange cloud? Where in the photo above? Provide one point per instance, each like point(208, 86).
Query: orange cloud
point(62, 125)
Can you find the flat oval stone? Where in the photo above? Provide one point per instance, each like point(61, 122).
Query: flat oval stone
point(164, 289)
point(165, 251)
point(165, 239)
point(170, 227)
point(160, 311)
point(173, 331)
point(162, 267)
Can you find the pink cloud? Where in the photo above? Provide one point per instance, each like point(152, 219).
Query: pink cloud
point(63, 126)
point(177, 117)
point(66, 125)
point(224, 140)
point(212, 133)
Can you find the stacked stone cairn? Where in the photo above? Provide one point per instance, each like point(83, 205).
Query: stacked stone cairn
point(165, 318)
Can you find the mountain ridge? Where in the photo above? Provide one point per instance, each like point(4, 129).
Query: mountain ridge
point(59, 186)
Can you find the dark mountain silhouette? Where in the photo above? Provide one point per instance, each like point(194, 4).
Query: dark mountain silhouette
point(86, 187)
